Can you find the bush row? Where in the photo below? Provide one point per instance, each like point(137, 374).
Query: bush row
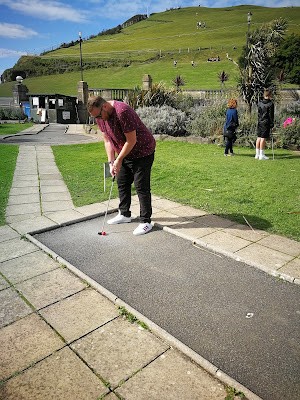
point(11, 114)
point(165, 111)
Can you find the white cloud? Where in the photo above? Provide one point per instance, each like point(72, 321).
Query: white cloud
point(15, 31)
point(6, 53)
point(49, 10)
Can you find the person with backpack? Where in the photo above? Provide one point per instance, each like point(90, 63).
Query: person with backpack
point(232, 122)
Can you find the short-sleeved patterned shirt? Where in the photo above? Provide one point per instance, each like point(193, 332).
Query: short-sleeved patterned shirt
point(124, 120)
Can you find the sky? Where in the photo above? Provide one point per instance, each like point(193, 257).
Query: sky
point(32, 26)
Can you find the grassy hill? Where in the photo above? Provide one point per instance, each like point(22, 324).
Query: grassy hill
point(152, 45)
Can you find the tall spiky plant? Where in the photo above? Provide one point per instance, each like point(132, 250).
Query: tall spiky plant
point(258, 74)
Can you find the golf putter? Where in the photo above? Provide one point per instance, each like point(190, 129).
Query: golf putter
point(102, 231)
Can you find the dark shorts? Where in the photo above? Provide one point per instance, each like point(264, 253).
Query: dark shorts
point(263, 133)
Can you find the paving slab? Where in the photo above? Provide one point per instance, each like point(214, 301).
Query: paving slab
point(225, 241)
point(79, 314)
point(91, 209)
point(28, 169)
point(214, 221)
point(3, 283)
point(60, 376)
point(52, 182)
point(27, 266)
point(172, 376)
point(32, 224)
point(193, 229)
point(21, 209)
point(264, 256)
point(21, 217)
point(12, 307)
point(54, 189)
point(165, 204)
point(167, 219)
point(56, 196)
point(281, 244)
point(31, 179)
point(187, 212)
point(50, 287)
point(7, 233)
point(23, 199)
point(48, 176)
point(24, 190)
point(20, 183)
point(292, 268)
point(15, 248)
point(25, 342)
point(119, 349)
point(59, 205)
point(61, 217)
point(245, 232)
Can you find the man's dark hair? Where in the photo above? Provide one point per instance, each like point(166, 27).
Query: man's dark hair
point(95, 101)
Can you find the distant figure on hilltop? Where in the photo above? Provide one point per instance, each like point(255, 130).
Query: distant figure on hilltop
point(204, 24)
point(193, 65)
point(175, 63)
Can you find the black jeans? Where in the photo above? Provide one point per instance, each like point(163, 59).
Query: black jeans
point(137, 171)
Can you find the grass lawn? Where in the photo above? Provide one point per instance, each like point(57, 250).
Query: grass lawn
point(8, 157)
point(9, 129)
point(266, 193)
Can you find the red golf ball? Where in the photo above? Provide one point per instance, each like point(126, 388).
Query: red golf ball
point(103, 233)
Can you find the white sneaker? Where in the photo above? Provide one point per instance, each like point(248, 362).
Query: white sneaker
point(142, 229)
point(263, 157)
point(119, 219)
point(256, 156)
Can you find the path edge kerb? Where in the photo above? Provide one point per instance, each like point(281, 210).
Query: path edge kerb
point(154, 328)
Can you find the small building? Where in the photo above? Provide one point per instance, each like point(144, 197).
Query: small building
point(53, 108)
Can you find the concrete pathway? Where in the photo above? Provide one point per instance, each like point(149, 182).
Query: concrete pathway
point(63, 338)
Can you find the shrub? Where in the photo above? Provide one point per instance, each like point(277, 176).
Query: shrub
point(12, 113)
point(157, 95)
point(207, 120)
point(164, 120)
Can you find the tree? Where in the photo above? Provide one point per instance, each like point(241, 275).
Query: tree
point(223, 77)
point(287, 58)
point(259, 74)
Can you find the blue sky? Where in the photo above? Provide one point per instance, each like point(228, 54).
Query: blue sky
point(31, 26)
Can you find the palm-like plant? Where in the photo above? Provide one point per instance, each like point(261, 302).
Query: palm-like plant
point(178, 81)
point(223, 77)
point(258, 74)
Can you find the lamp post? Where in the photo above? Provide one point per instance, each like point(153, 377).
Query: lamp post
point(80, 41)
point(246, 52)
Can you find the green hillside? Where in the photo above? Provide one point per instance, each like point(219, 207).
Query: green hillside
point(152, 45)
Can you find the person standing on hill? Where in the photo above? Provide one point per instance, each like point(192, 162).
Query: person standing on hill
point(125, 134)
point(265, 122)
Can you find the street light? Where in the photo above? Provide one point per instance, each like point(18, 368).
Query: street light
point(246, 52)
point(80, 41)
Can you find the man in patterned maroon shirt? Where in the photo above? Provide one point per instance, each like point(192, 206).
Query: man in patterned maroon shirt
point(125, 134)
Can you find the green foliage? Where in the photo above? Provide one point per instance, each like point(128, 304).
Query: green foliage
point(157, 95)
point(207, 120)
point(131, 318)
point(164, 120)
point(287, 58)
point(10, 129)
point(169, 31)
point(232, 393)
point(12, 114)
point(8, 157)
point(258, 74)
